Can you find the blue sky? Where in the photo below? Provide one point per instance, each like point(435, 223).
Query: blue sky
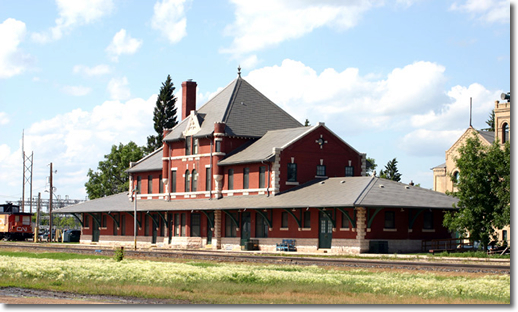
point(392, 78)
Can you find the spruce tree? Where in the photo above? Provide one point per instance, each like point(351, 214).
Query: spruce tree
point(391, 171)
point(164, 115)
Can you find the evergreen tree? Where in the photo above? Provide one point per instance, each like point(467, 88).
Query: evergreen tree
point(164, 115)
point(111, 177)
point(490, 122)
point(483, 188)
point(306, 123)
point(391, 171)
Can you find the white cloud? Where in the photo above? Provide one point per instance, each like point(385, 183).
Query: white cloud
point(455, 112)
point(489, 11)
point(76, 141)
point(411, 103)
point(169, 18)
point(249, 62)
point(123, 44)
point(261, 24)
point(12, 60)
point(370, 99)
point(92, 71)
point(117, 87)
point(74, 13)
point(76, 90)
point(4, 119)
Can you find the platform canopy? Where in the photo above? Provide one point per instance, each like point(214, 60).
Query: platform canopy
point(341, 192)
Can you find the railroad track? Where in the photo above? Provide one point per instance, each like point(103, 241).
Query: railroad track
point(460, 265)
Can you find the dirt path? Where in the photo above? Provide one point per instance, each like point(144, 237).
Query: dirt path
point(15, 295)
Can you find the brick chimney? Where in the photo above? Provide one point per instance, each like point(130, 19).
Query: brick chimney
point(188, 97)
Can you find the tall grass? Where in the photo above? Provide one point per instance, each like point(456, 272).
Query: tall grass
point(225, 283)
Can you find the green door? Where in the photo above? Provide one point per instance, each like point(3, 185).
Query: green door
point(245, 227)
point(325, 231)
point(95, 224)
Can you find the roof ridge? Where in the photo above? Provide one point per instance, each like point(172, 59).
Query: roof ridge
point(232, 99)
point(364, 192)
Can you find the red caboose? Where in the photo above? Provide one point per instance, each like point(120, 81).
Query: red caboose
point(14, 225)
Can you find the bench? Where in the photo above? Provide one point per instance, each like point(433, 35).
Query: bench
point(286, 245)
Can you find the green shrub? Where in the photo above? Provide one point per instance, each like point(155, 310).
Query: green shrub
point(119, 254)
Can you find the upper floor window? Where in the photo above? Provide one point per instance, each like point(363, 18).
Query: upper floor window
point(187, 181)
point(150, 184)
point(505, 132)
point(292, 172)
point(218, 146)
point(160, 184)
point(139, 182)
point(194, 181)
point(456, 176)
point(262, 171)
point(246, 173)
point(321, 170)
point(173, 181)
point(230, 179)
point(349, 171)
point(188, 147)
point(208, 179)
point(195, 146)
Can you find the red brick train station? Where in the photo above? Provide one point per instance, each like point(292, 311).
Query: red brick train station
point(241, 168)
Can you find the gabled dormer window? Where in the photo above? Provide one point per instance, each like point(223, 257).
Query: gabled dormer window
point(292, 172)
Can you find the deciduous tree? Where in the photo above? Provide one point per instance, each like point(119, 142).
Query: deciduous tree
point(483, 190)
point(111, 177)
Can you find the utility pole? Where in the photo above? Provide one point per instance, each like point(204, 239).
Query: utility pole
point(50, 204)
point(37, 230)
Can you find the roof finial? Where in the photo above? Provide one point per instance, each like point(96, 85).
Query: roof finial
point(239, 71)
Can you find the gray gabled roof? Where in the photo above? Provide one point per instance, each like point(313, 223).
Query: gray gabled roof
point(487, 135)
point(246, 112)
point(344, 192)
point(262, 149)
point(151, 162)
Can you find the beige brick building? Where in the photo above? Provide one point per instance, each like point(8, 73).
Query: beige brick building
point(441, 174)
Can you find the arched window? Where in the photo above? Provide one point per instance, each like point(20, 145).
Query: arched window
point(456, 176)
point(194, 181)
point(505, 132)
point(187, 181)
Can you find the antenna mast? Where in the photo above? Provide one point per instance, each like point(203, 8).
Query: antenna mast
point(27, 173)
point(470, 110)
